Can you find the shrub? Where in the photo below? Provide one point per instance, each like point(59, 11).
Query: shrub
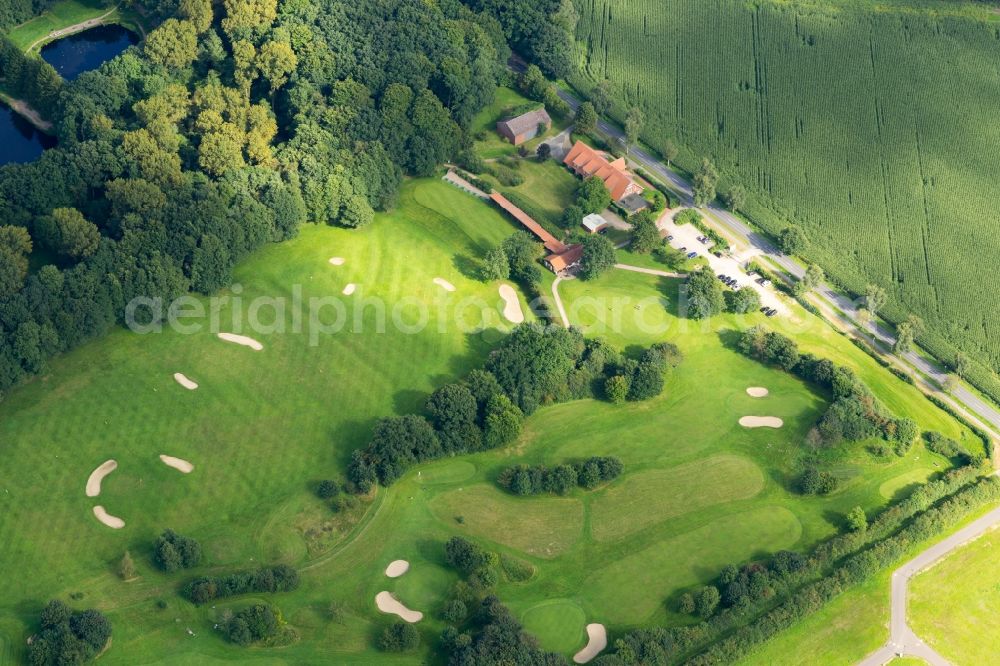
point(172, 552)
point(454, 612)
point(253, 624)
point(278, 578)
point(524, 480)
point(327, 489)
point(616, 389)
point(815, 482)
point(399, 637)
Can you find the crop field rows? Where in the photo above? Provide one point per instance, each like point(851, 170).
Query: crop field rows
point(872, 130)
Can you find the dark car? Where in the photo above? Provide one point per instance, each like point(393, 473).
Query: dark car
point(692, 255)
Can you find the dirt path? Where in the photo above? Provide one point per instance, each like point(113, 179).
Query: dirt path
point(650, 271)
point(72, 29)
point(558, 301)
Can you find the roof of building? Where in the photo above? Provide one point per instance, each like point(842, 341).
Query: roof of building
point(589, 162)
point(594, 222)
point(526, 121)
point(552, 244)
point(563, 260)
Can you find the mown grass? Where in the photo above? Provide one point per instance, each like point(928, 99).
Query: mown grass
point(955, 604)
point(264, 426)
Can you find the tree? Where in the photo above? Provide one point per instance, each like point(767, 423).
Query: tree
point(744, 301)
point(453, 411)
point(686, 603)
point(960, 364)
point(15, 246)
point(792, 240)
point(645, 235)
point(126, 568)
point(864, 317)
point(634, 121)
point(67, 232)
point(598, 257)
point(592, 195)
point(454, 612)
point(533, 83)
point(735, 198)
point(875, 298)
point(495, 265)
point(704, 294)
point(601, 97)
point(812, 279)
point(706, 178)
point(669, 152)
point(586, 118)
point(571, 217)
point(327, 489)
point(172, 552)
point(276, 62)
point(616, 388)
point(857, 521)
point(246, 19)
point(502, 422)
point(543, 151)
point(646, 382)
point(904, 338)
point(199, 12)
point(950, 383)
point(173, 45)
point(706, 600)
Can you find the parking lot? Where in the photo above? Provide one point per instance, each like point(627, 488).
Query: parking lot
point(686, 236)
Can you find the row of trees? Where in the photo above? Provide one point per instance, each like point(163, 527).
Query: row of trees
point(232, 125)
point(791, 580)
point(538, 479)
point(278, 578)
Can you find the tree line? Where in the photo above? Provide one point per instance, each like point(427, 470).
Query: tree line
point(277, 578)
point(539, 479)
point(230, 126)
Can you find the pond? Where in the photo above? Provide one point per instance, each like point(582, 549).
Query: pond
point(19, 140)
point(84, 51)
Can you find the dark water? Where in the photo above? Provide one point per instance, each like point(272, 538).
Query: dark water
point(73, 55)
point(19, 140)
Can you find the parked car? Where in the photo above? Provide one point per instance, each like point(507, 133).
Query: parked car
point(764, 309)
point(684, 249)
point(718, 254)
point(692, 255)
point(670, 237)
point(771, 312)
point(723, 277)
point(704, 240)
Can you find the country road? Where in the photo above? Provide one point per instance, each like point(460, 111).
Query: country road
point(988, 414)
point(902, 640)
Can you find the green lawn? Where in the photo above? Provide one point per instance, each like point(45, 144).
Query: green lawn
point(66, 13)
point(264, 426)
point(955, 605)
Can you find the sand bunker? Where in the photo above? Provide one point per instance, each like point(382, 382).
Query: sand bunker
point(177, 463)
point(757, 392)
point(95, 478)
point(597, 640)
point(181, 379)
point(241, 340)
point(761, 422)
point(349, 289)
point(512, 306)
point(114, 522)
point(337, 261)
point(397, 568)
point(444, 284)
point(389, 604)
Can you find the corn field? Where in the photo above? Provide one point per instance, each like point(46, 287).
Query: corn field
point(876, 131)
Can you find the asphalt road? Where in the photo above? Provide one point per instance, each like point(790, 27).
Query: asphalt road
point(986, 411)
point(902, 640)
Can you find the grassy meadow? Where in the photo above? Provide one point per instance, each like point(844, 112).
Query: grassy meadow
point(867, 123)
point(698, 491)
point(955, 604)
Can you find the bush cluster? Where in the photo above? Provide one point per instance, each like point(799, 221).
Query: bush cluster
point(253, 624)
point(493, 637)
point(279, 578)
point(399, 637)
point(949, 448)
point(68, 637)
point(172, 551)
point(590, 473)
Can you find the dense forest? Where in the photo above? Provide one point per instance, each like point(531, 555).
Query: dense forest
point(227, 128)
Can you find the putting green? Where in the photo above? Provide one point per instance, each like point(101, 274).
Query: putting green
point(541, 526)
point(650, 497)
point(905, 482)
point(422, 588)
point(559, 624)
point(631, 589)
